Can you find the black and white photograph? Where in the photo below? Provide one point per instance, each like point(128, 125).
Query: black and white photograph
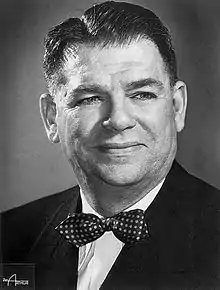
point(110, 145)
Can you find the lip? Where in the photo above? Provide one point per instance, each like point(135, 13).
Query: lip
point(119, 148)
point(118, 145)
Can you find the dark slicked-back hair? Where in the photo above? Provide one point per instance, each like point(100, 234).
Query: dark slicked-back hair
point(106, 24)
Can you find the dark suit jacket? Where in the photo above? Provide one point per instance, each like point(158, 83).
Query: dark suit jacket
point(182, 252)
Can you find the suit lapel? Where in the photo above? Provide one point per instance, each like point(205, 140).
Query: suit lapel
point(56, 260)
point(166, 255)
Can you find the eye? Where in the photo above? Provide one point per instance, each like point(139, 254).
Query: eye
point(89, 100)
point(142, 96)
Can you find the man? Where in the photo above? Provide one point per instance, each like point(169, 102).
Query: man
point(115, 105)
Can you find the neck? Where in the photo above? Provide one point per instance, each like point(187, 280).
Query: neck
point(117, 198)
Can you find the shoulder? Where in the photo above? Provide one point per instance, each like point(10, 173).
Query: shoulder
point(193, 200)
point(192, 186)
point(21, 226)
point(39, 209)
point(199, 204)
point(189, 222)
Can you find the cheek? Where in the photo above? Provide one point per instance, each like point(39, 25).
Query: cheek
point(87, 123)
point(76, 125)
point(157, 118)
point(68, 124)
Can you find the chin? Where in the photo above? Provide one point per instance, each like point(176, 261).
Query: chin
point(118, 181)
point(120, 176)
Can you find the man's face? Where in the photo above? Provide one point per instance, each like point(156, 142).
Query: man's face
point(115, 115)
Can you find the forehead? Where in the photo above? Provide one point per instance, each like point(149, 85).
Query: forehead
point(110, 65)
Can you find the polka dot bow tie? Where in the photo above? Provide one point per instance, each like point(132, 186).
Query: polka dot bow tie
point(80, 229)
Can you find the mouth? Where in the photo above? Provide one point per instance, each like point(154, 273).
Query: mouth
point(119, 148)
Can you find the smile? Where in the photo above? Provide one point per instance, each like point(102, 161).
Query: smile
point(119, 148)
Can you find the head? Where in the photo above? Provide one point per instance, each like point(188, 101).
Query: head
point(115, 102)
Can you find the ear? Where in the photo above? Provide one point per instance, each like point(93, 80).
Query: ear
point(48, 115)
point(179, 104)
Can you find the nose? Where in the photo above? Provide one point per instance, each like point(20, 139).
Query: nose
point(119, 115)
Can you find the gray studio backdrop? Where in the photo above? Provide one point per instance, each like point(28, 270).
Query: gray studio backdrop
point(32, 167)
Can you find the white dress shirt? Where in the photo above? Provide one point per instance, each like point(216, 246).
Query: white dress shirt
point(97, 258)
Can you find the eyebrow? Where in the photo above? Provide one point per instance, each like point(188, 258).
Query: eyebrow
point(87, 89)
point(97, 89)
point(149, 82)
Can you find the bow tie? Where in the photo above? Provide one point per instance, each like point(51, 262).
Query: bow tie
point(80, 229)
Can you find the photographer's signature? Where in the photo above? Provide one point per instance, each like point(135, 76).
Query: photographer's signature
point(13, 281)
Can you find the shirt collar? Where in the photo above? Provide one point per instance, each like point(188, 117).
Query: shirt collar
point(143, 203)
